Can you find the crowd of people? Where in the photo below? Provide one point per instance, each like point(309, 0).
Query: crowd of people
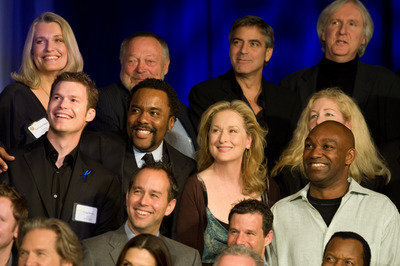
point(250, 173)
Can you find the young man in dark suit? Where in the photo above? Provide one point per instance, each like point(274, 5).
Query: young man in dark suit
point(55, 177)
point(151, 196)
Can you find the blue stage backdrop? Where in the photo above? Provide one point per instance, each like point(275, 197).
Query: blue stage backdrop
point(196, 32)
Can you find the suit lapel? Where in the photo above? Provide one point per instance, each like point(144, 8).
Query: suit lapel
point(129, 167)
point(35, 159)
point(170, 158)
point(117, 241)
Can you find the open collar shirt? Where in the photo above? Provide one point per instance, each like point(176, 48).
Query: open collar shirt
point(300, 233)
point(129, 233)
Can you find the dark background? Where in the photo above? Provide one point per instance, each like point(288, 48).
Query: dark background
point(196, 32)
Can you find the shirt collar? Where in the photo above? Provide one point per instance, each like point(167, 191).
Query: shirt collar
point(238, 90)
point(52, 154)
point(354, 188)
point(129, 233)
point(157, 154)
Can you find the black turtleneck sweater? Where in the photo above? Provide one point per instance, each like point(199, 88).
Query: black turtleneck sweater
point(332, 74)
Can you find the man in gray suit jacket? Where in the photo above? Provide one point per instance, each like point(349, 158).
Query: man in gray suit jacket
point(151, 196)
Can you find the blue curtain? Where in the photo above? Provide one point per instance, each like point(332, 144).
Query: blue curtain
point(196, 32)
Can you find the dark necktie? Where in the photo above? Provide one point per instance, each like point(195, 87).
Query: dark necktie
point(148, 158)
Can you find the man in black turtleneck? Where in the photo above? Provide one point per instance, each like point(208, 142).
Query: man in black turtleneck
point(344, 29)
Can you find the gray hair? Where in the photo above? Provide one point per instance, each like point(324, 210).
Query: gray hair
point(254, 21)
point(334, 7)
point(242, 251)
point(164, 46)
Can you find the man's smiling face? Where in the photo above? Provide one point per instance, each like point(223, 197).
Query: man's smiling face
point(149, 118)
point(147, 201)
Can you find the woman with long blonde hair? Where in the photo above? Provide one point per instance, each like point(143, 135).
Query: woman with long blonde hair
point(231, 168)
point(50, 49)
point(368, 169)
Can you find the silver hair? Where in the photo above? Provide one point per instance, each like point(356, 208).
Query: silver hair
point(334, 7)
point(242, 251)
point(164, 46)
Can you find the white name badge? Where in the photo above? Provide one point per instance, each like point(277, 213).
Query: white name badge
point(83, 213)
point(38, 128)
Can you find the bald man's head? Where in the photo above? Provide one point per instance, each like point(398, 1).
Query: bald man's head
point(328, 153)
point(338, 128)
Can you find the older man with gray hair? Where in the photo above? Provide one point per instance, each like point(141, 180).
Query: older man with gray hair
point(344, 29)
point(143, 55)
point(238, 255)
point(48, 241)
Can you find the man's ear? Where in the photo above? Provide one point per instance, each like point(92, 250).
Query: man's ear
point(126, 198)
point(171, 122)
point(350, 156)
point(66, 263)
point(166, 67)
point(268, 54)
point(15, 233)
point(90, 115)
point(170, 207)
point(268, 238)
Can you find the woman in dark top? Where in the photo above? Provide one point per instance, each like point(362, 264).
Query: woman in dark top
point(368, 168)
point(230, 163)
point(145, 249)
point(50, 48)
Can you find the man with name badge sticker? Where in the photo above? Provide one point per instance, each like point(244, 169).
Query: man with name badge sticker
point(151, 196)
point(59, 181)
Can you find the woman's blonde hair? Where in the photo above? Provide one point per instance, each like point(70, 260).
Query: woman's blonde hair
point(368, 162)
point(28, 72)
point(253, 166)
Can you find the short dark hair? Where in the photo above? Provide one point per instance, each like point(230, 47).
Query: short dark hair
point(19, 204)
point(254, 21)
point(153, 244)
point(149, 34)
point(85, 80)
point(67, 243)
point(355, 236)
point(254, 206)
point(160, 166)
point(161, 85)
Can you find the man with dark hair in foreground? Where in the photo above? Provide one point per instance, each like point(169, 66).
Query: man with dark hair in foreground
point(151, 195)
point(347, 248)
point(250, 224)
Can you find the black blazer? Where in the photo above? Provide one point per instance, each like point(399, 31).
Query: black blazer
point(112, 111)
point(376, 91)
point(100, 189)
point(281, 110)
point(19, 108)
